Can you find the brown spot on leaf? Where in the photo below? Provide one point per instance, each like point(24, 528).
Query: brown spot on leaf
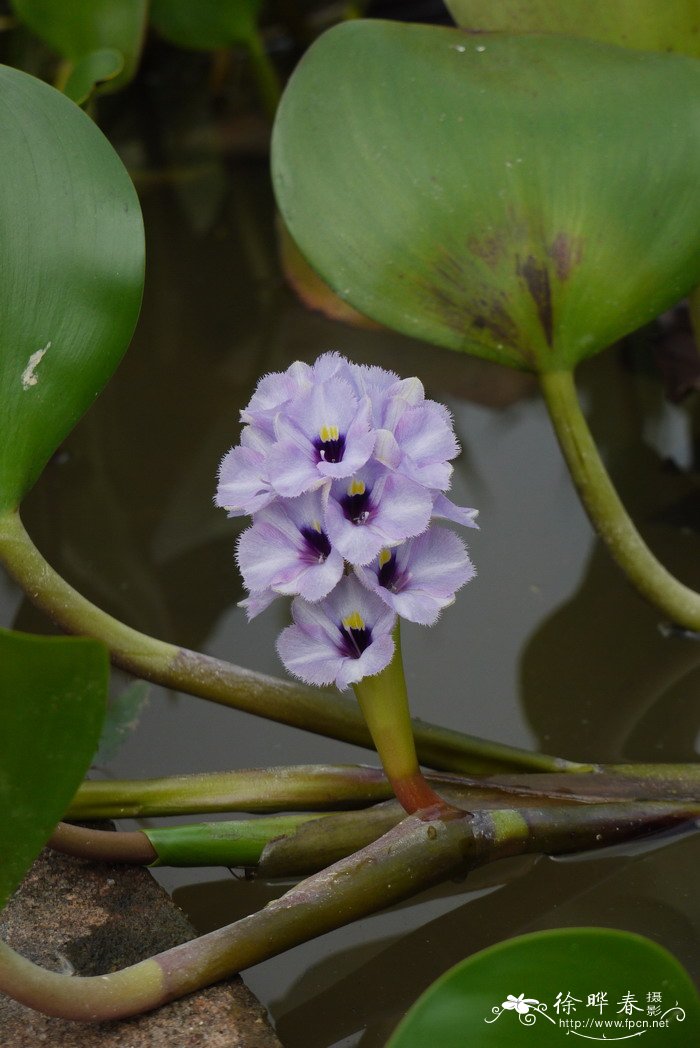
point(565, 252)
point(498, 323)
point(490, 249)
point(466, 302)
point(536, 279)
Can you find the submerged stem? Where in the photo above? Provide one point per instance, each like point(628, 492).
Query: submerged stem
point(607, 514)
point(322, 712)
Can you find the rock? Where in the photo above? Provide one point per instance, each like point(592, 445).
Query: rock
point(92, 918)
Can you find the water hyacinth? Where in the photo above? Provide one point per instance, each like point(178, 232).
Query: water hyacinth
point(344, 469)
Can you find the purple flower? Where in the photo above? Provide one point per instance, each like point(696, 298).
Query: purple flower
point(325, 433)
point(273, 392)
point(341, 639)
point(372, 509)
point(341, 465)
point(244, 486)
point(420, 578)
point(286, 551)
point(420, 444)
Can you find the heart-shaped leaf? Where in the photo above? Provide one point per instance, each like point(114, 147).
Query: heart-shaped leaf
point(527, 199)
point(72, 258)
point(93, 69)
point(309, 287)
point(672, 25)
point(76, 28)
point(53, 692)
point(539, 990)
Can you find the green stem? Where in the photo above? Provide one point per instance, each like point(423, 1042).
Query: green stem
point(313, 788)
point(322, 712)
point(63, 73)
point(239, 843)
point(296, 845)
point(295, 788)
point(266, 77)
point(383, 700)
point(607, 514)
point(411, 856)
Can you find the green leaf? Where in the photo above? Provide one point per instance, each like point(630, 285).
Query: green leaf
point(465, 1006)
point(75, 28)
point(309, 287)
point(72, 258)
point(52, 700)
point(90, 71)
point(527, 199)
point(123, 714)
point(206, 24)
point(672, 25)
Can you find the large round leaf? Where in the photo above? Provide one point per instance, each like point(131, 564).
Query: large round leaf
point(537, 990)
point(53, 692)
point(71, 257)
point(654, 25)
point(528, 199)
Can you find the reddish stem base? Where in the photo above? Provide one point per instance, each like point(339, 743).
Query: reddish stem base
point(418, 798)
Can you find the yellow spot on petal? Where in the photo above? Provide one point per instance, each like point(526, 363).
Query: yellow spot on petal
point(356, 487)
point(384, 557)
point(328, 433)
point(316, 525)
point(354, 621)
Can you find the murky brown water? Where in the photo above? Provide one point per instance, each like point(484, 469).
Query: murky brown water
point(548, 648)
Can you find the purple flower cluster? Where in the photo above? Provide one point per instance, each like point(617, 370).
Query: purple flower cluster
point(343, 467)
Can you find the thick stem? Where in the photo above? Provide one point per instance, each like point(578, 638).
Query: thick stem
point(608, 516)
point(258, 790)
point(239, 843)
point(412, 856)
point(322, 712)
point(383, 700)
point(102, 845)
point(307, 788)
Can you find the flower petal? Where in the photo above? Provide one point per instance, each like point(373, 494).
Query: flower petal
point(314, 660)
point(373, 660)
point(444, 508)
point(257, 602)
point(292, 468)
point(243, 485)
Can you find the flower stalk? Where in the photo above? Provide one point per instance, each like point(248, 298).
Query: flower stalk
point(383, 699)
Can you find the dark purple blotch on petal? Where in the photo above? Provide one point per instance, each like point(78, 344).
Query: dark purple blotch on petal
point(318, 545)
point(331, 450)
point(390, 576)
point(356, 504)
point(356, 639)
